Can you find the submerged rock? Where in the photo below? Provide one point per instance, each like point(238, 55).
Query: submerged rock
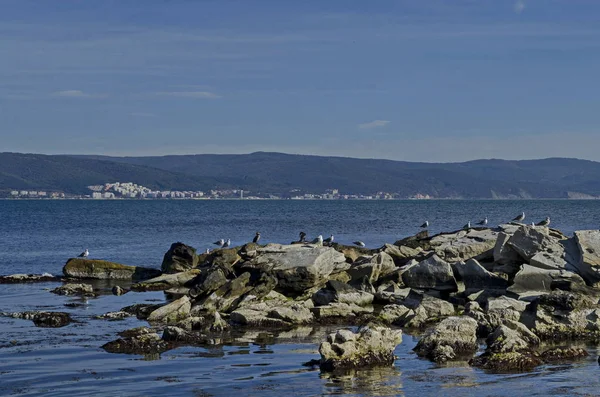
point(179, 258)
point(104, 270)
point(43, 319)
point(74, 289)
point(453, 338)
point(142, 341)
point(28, 278)
point(167, 281)
point(114, 316)
point(345, 349)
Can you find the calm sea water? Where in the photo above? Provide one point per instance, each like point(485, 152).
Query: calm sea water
point(39, 236)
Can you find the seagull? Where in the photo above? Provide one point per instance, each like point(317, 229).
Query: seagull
point(207, 251)
point(220, 242)
point(545, 222)
point(359, 243)
point(256, 237)
point(84, 254)
point(318, 240)
point(329, 240)
point(302, 237)
point(519, 218)
point(226, 243)
point(425, 225)
point(467, 226)
point(483, 222)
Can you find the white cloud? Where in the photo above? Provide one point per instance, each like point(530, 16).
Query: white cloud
point(373, 124)
point(190, 94)
point(75, 94)
point(519, 6)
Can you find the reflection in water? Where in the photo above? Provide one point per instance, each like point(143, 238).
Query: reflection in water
point(376, 381)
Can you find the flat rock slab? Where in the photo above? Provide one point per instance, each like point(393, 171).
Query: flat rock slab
point(465, 244)
point(104, 270)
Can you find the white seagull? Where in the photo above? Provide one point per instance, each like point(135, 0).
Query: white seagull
point(545, 222)
point(318, 240)
point(359, 243)
point(329, 240)
point(425, 225)
point(84, 254)
point(519, 218)
point(220, 242)
point(226, 243)
point(483, 222)
point(467, 226)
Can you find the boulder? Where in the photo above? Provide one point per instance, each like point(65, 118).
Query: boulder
point(504, 302)
point(543, 248)
point(336, 291)
point(418, 241)
point(370, 346)
point(118, 291)
point(532, 280)
point(208, 322)
point(371, 267)
point(462, 245)
point(395, 314)
point(476, 277)
point(141, 310)
point(43, 319)
point(427, 309)
point(491, 319)
point(432, 273)
point(74, 289)
point(104, 270)
point(509, 349)
point(227, 258)
point(298, 267)
point(209, 281)
point(351, 253)
point(401, 254)
point(172, 312)
point(173, 334)
point(453, 338)
point(588, 263)
point(114, 316)
point(167, 281)
point(179, 258)
point(504, 254)
point(563, 353)
point(256, 319)
point(340, 311)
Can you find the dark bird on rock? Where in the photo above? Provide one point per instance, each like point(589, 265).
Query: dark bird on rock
point(545, 222)
point(302, 237)
point(425, 225)
point(519, 218)
point(256, 237)
point(219, 242)
point(226, 244)
point(329, 240)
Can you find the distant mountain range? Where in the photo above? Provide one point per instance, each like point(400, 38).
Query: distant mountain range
point(280, 173)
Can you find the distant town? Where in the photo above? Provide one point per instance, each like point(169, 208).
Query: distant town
point(129, 190)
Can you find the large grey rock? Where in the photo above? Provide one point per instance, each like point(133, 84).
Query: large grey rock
point(298, 267)
point(209, 281)
point(426, 310)
point(179, 258)
point(337, 311)
point(492, 318)
point(401, 254)
point(504, 302)
point(172, 312)
point(274, 310)
point(465, 244)
point(104, 270)
point(395, 314)
point(544, 248)
point(208, 322)
point(167, 281)
point(505, 255)
point(588, 265)
point(453, 338)
point(372, 267)
point(476, 277)
point(370, 346)
point(228, 296)
point(336, 291)
point(431, 273)
point(532, 280)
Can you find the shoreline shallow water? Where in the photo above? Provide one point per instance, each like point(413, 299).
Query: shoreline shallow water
point(69, 360)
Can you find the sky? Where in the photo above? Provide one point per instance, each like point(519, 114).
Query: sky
point(409, 80)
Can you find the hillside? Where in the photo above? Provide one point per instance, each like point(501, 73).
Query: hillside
point(72, 175)
point(277, 172)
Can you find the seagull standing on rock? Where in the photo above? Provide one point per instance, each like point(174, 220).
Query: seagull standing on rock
point(545, 222)
point(84, 254)
point(467, 226)
point(302, 237)
point(425, 225)
point(220, 242)
point(519, 218)
point(329, 240)
point(318, 240)
point(226, 243)
point(483, 222)
point(256, 237)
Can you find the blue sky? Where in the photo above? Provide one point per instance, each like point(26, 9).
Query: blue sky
point(407, 80)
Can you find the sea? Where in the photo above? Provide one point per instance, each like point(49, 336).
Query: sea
point(39, 236)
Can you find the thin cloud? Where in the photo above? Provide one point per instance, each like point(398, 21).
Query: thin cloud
point(519, 6)
point(76, 94)
point(373, 124)
point(190, 94)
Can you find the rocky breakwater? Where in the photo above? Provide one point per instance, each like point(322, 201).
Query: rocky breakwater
point(516, 286)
